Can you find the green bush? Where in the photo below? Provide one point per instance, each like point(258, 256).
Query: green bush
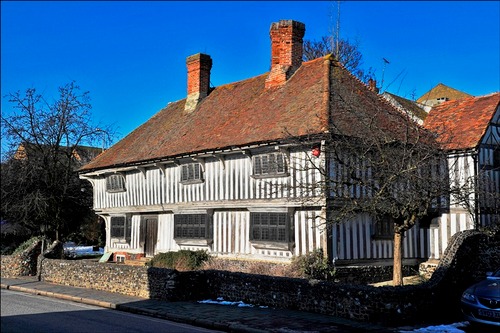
point(314, 266)
point(24, 246)
point(492, 230)
point(182, 260)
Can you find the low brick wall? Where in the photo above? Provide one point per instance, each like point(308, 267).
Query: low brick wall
point(469, 256)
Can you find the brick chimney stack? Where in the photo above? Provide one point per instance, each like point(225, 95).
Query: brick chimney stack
point(372, 85)
point(198, 80)
point(286, 51)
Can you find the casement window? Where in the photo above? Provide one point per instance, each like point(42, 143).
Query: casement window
point(115, 183)
point(269, 226)
point(384, 228)
point(191, 173)
point(121, 228)
point(192, 226)
point(267, 165)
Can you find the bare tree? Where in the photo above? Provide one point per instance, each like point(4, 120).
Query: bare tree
point(40, 187)
point(344, 51)
point(377, 161)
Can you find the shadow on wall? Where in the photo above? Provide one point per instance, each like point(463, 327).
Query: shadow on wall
point(469, 256)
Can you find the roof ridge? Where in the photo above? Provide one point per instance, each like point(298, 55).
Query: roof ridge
point(378, 96)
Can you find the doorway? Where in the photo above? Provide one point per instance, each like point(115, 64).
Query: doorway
point(149, 234)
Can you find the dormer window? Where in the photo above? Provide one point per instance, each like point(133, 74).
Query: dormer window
point(191, 173)
point(269, 165)
point(115, 183)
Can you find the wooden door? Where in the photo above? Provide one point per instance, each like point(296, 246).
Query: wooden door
point(149, 234)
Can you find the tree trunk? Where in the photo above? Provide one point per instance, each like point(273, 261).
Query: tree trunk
point(397, 273)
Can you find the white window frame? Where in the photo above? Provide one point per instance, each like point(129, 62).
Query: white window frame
point(269, 165)
point(191, 173)
point(115, 183)
point(125, 231)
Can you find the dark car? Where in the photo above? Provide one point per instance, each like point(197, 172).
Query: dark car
point(481, 302)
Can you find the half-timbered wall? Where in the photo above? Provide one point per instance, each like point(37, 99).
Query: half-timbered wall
point(462, 168)
point(489, 168)
point(355, 240)
point(229, 188)
point(476, 168)
point(226, 179)
point(230, 235)
point(231, 191)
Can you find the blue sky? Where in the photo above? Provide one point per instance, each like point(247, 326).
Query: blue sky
point(130, 55)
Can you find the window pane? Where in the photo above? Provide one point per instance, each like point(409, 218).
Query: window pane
point(190, 226)
point(191, 171)
point(118, 226)
point(269, 226)
point(269, 164)
point(115, 183)
point(196, 171)
point(280, 163)
point(257, 166)
point(265, 164)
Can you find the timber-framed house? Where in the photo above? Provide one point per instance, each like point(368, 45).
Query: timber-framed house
point(219, 170)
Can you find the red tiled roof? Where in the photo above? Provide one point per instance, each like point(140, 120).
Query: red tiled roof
point(461, 124)
point(246, 113)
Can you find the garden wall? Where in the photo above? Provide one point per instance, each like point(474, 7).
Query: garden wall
point(22, 264)
point(467, 259)
point(355, 302)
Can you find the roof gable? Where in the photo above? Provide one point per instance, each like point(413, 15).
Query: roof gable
point(461, 124)
point(443, 92)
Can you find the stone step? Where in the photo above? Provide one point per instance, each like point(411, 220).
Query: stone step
point(137, 262)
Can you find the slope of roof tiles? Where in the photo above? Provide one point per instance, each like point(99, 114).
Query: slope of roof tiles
point(440, 91)
point(461, 124)
point(409, 105)
point(245, 113)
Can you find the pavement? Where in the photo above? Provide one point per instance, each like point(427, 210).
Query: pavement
point(227, 318)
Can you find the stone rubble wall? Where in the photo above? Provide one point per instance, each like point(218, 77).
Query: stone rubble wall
point(469, 256)
point(88, 273)
point(22, 264)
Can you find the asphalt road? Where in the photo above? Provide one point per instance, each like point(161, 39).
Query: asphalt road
point(21, 312)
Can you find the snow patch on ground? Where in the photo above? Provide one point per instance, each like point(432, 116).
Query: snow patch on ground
point(451, 328)
point(221, 301)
